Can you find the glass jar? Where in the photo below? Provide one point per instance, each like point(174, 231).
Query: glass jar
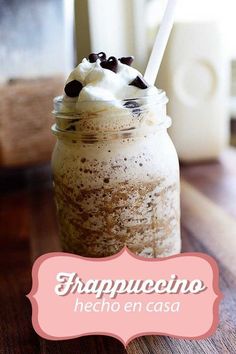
point(116, 177)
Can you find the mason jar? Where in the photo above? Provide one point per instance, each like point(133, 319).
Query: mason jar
point(116, 177)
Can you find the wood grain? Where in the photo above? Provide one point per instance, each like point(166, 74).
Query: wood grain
point(211, 225)
point(16, 336)
point(26, 119)
point(28, 229)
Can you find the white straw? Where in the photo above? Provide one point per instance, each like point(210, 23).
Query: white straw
point(160, 43)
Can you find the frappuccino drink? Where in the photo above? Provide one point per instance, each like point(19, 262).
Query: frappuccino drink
point(115, 169)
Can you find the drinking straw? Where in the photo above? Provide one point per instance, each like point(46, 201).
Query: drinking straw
point(160, 43)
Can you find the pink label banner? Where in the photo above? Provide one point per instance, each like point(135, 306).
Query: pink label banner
point(125, 296)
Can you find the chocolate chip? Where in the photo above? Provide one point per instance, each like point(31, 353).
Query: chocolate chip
point(102, 56)
point(110, 64)
point(134, 106)
point(73, 88)
point(139, 82)
point(93, 57)
point(126, 60)
point(106, 180)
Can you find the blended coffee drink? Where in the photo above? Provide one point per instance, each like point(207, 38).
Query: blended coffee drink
point(115, 169)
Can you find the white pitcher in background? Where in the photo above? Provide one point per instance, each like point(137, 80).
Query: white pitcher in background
point(195, 75)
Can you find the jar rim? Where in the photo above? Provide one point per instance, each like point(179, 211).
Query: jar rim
point(58, 102)
point(92, 118)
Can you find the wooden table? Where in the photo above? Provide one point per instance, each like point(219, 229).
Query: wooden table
point(28, 229)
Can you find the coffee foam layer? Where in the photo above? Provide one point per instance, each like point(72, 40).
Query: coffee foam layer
point(120, 192)
point(118, 160)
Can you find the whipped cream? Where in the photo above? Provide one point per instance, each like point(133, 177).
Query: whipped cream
point(102, 84)
point(109, 95)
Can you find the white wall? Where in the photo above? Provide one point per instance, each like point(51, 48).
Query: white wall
point(117, 27)
point(110, 30)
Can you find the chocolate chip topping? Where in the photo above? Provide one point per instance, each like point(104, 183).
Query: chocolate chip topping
point(73, 88)
point(139, 82)
point(134, 106)
point(126, 60)
point(110, 64)
point(102, 56)
point(93, 57)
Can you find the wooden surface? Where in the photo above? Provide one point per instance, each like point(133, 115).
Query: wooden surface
point(28, 229)
point(26, 119)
